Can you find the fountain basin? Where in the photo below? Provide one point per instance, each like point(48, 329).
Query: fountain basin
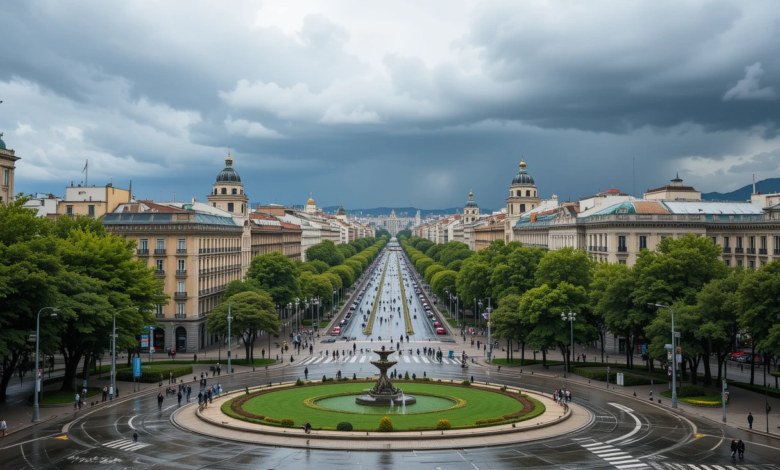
point(385, 400)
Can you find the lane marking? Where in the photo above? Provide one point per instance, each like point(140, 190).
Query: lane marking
point(637, 427)
point(130, 423)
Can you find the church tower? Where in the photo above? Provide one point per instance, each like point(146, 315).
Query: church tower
point(471, 210)
point(228, 191)
point(522, 198)
point(311, 207)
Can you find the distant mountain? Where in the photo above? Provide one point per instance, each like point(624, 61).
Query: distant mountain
point(399, 211)
point(769, 185)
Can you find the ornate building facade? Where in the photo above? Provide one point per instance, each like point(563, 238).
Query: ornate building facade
point(8, 161)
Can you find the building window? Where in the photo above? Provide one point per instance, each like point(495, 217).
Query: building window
point(160, 311)
point(739, 262)
point(242, 208)
point(726, 242)
point(215, 190)
point(5, 177)
point(182, 244)
point(91, 210)
point(728, 262)
point(235, 191)
point(230, 207)
point(519, 193)
point(714, 240)
point(181, 265)
point(752, 242)
point(621, 261)
point(143, 244)
point(159, 265)
point(739, 242)
point(752, 264)
point(763, 242)
point(214, 204)
point(160, 243)
point(224, 190)
point(69, 210)
point(522, 208)
point(180, 308)
point(622, 243)
point(180, 286)
point(528, 193)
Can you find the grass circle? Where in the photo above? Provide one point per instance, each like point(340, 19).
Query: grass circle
point(345, 403)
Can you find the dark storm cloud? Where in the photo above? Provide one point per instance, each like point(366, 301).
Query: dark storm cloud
point(156, 92)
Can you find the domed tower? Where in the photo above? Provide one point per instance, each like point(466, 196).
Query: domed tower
point(341, 213)
point(471, 210)
point(228, 191)
point(8, 160)
point(522, 198)
point(311, 207)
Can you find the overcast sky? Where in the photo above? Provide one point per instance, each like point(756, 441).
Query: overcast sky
point(390, 103)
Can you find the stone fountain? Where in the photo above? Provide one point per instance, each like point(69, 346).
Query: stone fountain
point(383, 392)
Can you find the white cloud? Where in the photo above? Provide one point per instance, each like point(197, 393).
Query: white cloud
point(749, 88)
point(250, 129)
point(335, 115)
point(70, 132)
point(23, 129)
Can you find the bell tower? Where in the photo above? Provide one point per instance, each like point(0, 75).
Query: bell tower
point(228, 191)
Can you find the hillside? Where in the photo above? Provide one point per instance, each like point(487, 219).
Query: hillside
point(769, 185)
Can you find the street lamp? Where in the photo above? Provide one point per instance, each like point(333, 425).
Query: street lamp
point(230, 339)
point(317, 302)
point(36, 416)
point(297, 308)
point(490, 350)
point(674, 355)
point(569, 317)
point(113, 353)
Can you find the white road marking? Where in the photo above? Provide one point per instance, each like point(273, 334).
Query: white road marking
point(601, 448)
point(130, 423)
point(363, 359)
point(425, 360)
point(639, 465)
point(628, 411)
point(612, 454)
point(406, 359)
point(329, 359)
point(126, 444)
point(416, 359)
point(354, 358)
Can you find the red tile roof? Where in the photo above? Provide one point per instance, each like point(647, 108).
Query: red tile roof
point(649, 207)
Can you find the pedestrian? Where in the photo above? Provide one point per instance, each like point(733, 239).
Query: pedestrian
point(189, 391)
point(306, 373)
point(651, 395)
point(135, 436)
point(3, 427)
point(741, 449)
point(170, 377)
point(733, 448)
point(200, 398)
point(77, 403)
point(750, 419)
point(179, 397)
point(160, 399)
point(105, 393)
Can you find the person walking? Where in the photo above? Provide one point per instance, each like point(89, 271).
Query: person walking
point(741, 449)
point(179, 397)
point(651, 395)
point(189, 392)
point(160, 399)
point(105, 393)
point(77, 403)
point(733, 448)
point(3, 427)
point(750, 419)
point(306, 373)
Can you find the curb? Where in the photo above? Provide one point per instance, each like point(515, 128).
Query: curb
point(758, 433)
point(378, 438)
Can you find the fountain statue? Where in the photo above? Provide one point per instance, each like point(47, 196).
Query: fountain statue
point(383, 393)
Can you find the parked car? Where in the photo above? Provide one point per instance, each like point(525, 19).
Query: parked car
point(336, 331)
point(437, 324)
point(440, 331)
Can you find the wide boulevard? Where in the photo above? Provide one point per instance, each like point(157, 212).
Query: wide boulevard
point(626, 432)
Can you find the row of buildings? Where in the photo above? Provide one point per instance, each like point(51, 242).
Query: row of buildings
point(613, 226)
point(196, 247)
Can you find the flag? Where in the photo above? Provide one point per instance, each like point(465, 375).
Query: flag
point(85, 167)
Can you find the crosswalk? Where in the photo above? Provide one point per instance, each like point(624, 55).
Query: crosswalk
point(126, 444)
point(613, 455)
point(690, 466)
point(360, 359)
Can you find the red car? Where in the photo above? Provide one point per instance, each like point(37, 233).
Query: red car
point(440, 331)
point(336, 331)
point(437, 324)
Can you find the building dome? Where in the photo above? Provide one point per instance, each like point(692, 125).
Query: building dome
point(471, 202)
point(341, 210)
point(522, 178)
point(228, 175)
point(2, 144)
point(310, 202)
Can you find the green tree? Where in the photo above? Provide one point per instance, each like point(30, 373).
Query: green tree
point(319, 266)
point(516, 274)
point(346, 274)
point(444, 280)
point(507, 323)
point(276, 275)
point(251, 312)
point(423, 245)
point(246, 285)
point(356, 266)
point(760, 310)
point(455, 265)
point(29, 268)
point(325, 251)
point(404, 233)
point(612, 306)
point(565, 265)
point(431, 270)
point(347, 250)
point(423, 263)
point(473, 280)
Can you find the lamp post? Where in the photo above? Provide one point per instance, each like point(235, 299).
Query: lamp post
point(490, 343)
point(449, 307)
point(36, 416)
point(317, 302)
point(674, 355)
point(113, 353)
point(569, 317)
point(297, 308)
point(230, 339)
point(333, 302)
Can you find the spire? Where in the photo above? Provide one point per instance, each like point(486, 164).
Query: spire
point(522, 163)
point(471, 194)
point(228, 160)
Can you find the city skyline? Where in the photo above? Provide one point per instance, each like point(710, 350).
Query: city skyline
point(389, 104)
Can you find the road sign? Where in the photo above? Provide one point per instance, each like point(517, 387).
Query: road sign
point(679, 358)
point(136, 367)
point(619, 378)
point(144, 341)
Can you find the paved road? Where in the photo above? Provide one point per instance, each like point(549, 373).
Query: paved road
point(627, 434)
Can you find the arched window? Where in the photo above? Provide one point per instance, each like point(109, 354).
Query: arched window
point(534, 193)
point(522, 208)
point(528, 194)
point(235, 191)
point(519, 193)
point(224, 190)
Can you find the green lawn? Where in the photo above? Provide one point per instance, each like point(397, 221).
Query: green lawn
point(59, 398)
point(480, 404)
point(323, 323)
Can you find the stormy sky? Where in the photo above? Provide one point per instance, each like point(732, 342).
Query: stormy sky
point(390, 103)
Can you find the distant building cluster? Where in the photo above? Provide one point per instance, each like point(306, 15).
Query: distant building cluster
point(613, 226)
point(196, 247)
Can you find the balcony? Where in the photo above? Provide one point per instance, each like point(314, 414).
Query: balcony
point(777, 251)
point(159, 315)
point(180, 295)
point(181, 272)
point(751, 251)
point(603, 249)
point(160, 272)
point(762, 251)
point(180, 315)
point(160, 251)
point(727, 249)
point(142, 251)
point(623, 249)
point(181, 251)
point(739, 250)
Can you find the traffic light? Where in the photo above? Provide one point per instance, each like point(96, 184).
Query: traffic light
point(679, 350)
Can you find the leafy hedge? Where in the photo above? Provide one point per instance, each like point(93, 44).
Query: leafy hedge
point(126, 374)
point(629, 380)
point(344, 426)
point(385, 425)
point(772, 392)
point(686, 391)
point(443, 424)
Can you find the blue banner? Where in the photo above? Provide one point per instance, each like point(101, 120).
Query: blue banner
point(136, 367)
